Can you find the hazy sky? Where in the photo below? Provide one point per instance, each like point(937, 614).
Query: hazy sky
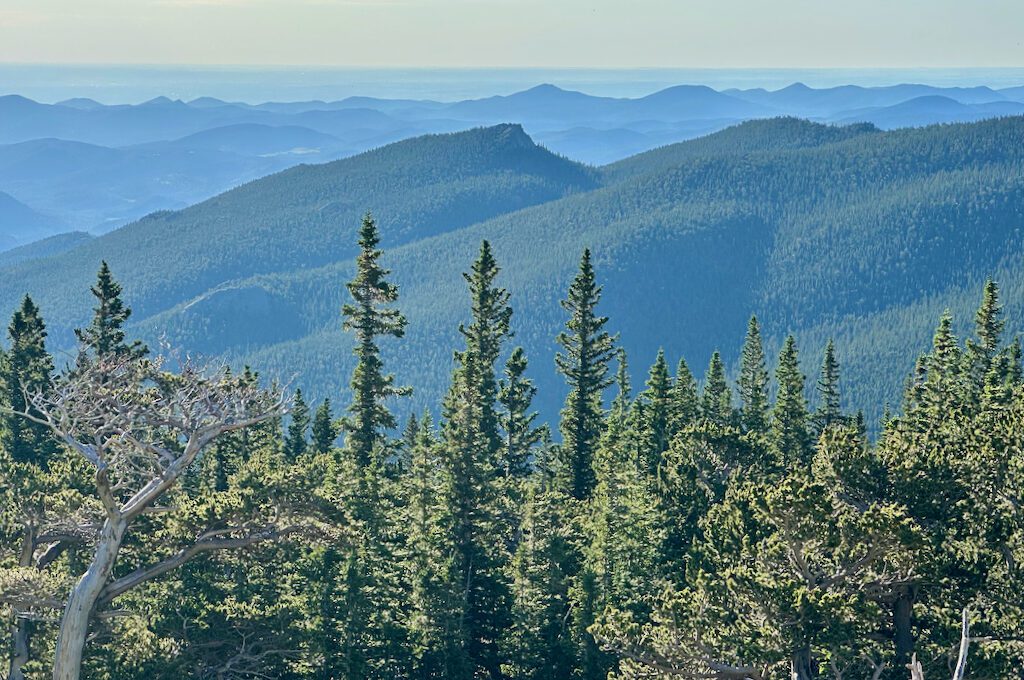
point(460, 33)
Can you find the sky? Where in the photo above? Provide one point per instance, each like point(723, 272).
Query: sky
point(517, 33)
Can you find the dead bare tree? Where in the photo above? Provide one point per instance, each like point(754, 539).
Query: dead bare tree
point(141, 427)
point(917, 673)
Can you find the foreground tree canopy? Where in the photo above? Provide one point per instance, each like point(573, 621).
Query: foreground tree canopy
point(162, 519)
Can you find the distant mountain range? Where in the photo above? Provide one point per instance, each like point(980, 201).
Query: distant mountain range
point(91, 167)
point(849, 232)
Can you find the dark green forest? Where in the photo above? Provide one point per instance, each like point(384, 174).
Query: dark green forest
point(721, 519)
point(850, 233)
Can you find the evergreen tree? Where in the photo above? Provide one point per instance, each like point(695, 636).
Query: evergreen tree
point(516, 394)
point(295, 442)
point(369, 319)
point(324, 431)
point(27, 370)
point(988, 324)
point(105, 334)
point(716, 399)
point(473, 480)
point(657, 400)
point(587, 350)
point(753, 381)
point(685, 400)
point(789, 433)
point(830, 409)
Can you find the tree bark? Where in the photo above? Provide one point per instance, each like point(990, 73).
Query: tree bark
point(802, 665)
point(74, 626)
point(19, 648)
point(902, 619)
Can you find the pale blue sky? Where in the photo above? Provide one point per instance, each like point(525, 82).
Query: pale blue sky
point(520, 33)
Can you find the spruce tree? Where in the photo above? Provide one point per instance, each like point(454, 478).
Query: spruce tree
point(295, 441)
point(685, 399)
point(516, 394)
point(27, 370)
point(988, 324)
point(657, 399)
point(323, 431)
point(587, 350)
point(104, 336)
point(753, 381)
point(473, 480)
point(789, 433)
point(829, 411)
point(716, 399)
point(369, 318)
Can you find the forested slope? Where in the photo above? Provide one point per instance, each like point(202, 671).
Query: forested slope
point(823, 231)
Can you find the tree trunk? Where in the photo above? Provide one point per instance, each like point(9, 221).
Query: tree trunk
point(801, 665)
point(74, 625)
point(903, 635)
point(19, 648)
point(19, 626)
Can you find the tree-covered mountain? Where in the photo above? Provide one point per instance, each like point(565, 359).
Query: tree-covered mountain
point(97, 167)
point(844, 232)
point(22, 224)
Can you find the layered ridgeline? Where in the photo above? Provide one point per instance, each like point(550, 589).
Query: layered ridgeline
point(844, 232)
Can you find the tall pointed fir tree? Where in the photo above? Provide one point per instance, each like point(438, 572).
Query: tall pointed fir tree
point(104, 336)
point(26, 370)
point(295, 442)
point(587, 350)
point(789, 431)
point(983, 352)
point(657, 410)
point(370, 317)
point(753, 381)
point(323, 431)
point(685, 399)
point(473, 481)
point(515, 394)
point(373, 630)
point(716, 399)
point(829, 410)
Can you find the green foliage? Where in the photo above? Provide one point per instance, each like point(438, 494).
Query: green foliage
point(587, 350)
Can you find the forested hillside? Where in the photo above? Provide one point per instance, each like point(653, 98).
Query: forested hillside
point(160, 518)
point(848, 233)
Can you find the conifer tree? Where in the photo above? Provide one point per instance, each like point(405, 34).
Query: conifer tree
point(473, 480)
point(685, 399)
point(657, 400)
point(323, 431)
point(753, 381)
point(716, 399)
point(830, 409)
point(295, 442)
point(27, 370)
point(789, 432)
point(105, 334)
point(516, 394)
point(369, 318)
point(587, 350)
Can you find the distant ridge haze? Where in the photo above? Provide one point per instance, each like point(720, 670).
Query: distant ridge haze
point(93, 167)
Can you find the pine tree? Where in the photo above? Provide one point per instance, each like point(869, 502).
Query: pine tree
point(587, 351)
point(324, 431)
point(988, 324)
point(27, 370)
point(369, 319)
point(685, 400)
point(295, 442)
point(753, 381)
point(716, 399)
point(105, 334)
point(830, 409)
point(789, 417)
point(657, 400)
point(473, 480)
point(516, 394)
